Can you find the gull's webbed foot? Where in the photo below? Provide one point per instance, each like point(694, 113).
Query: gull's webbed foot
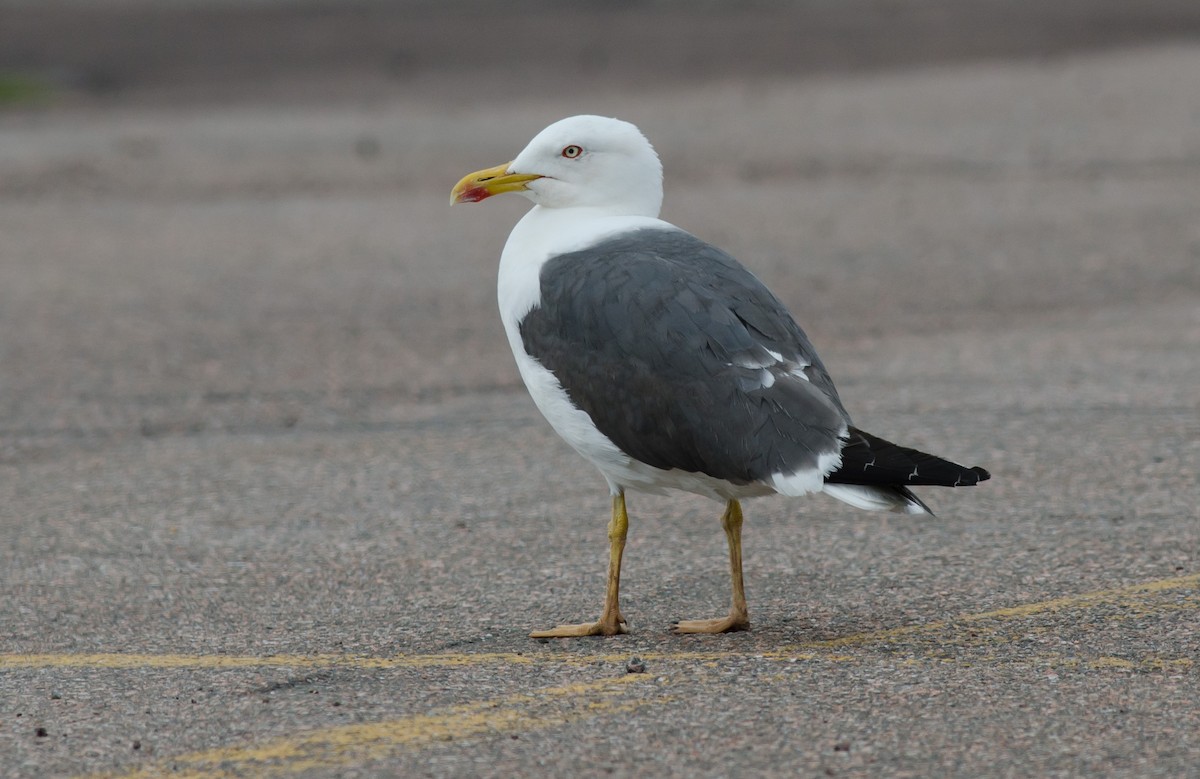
point(599, 628)
point(730, 624)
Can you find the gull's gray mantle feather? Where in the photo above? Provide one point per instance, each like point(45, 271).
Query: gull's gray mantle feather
point(682, 358)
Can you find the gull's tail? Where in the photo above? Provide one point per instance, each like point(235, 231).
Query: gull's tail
point(875, 474)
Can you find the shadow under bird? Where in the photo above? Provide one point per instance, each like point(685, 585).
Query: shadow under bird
point(666, 363)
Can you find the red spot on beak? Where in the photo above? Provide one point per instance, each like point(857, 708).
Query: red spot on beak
point(473, 195)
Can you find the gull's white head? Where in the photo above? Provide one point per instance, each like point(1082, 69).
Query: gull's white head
point(578, 162)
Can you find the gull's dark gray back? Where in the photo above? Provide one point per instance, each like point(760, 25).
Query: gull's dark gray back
point(683, 358)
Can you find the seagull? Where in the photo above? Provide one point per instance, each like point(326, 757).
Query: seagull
point(666, 363)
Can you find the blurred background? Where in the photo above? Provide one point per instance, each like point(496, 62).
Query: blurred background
point(309, 51)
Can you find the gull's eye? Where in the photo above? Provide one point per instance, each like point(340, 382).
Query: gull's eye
point(571, 152)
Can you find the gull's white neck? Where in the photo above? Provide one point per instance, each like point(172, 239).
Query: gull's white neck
point(544, 233)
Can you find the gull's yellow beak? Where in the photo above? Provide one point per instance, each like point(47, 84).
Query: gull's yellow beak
point(484, 183)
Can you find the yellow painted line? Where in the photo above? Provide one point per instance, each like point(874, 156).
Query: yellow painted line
point(101, 660)
point(358, 744)
point(812, 650)
point(1024, 611)
point(1054, 662)
point(119, 660)
point(1141, 664)
point(327, 661)
point(334, 747)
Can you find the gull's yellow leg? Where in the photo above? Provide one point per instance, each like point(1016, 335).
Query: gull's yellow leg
point(611, 622)
point(739, 616)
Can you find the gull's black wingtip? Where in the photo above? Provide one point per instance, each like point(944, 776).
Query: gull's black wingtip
point(981, 474)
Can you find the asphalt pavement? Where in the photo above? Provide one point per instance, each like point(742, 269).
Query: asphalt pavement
point(274, 503)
